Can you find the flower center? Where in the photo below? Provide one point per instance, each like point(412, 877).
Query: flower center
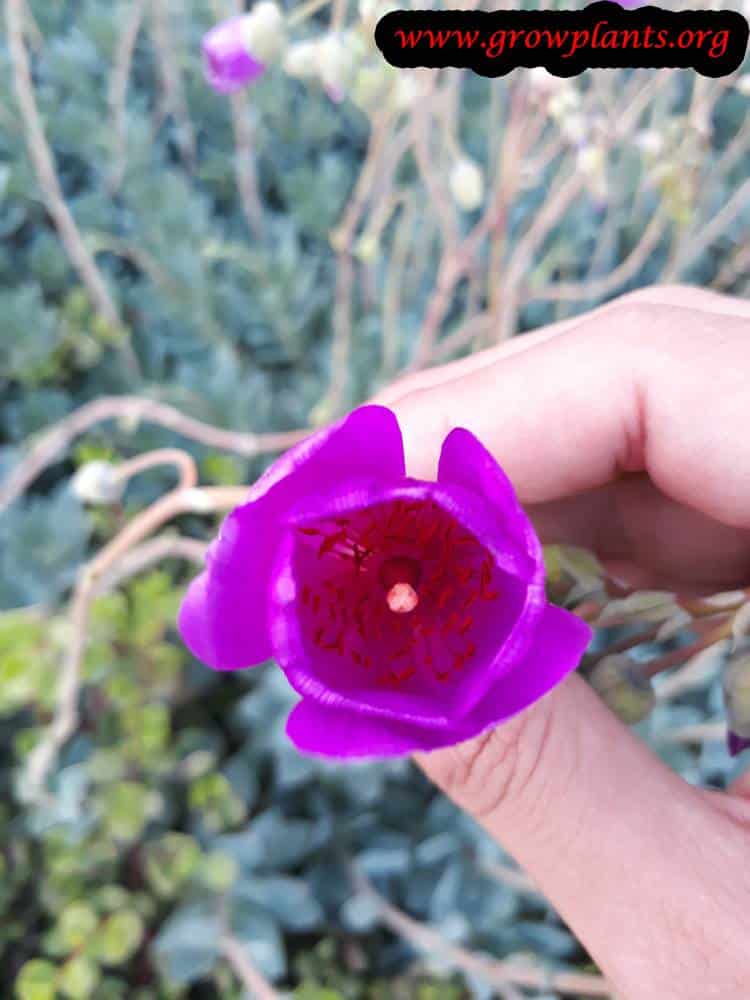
point(398, 593)
point(402, 598)
point(400, 576)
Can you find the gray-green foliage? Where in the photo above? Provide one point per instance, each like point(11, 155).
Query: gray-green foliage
point(180, 804)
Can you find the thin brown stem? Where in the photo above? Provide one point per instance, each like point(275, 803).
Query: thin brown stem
point(49, 184)
point(174, 95)
point(132, 410)
point(118, 86)
point(497, 974)
point(65, 720)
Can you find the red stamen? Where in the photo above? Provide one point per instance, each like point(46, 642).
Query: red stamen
point(330, 541)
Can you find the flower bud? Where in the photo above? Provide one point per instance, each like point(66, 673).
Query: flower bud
point(263, 31)
point(198, 500)
point(736, 744)
point(590, 160)
point(650, 142)
point(542, 83)
point(407, 91)
point(574, 128)
point(228, 63)
point(335, 64)
point(619, 683)
point(467, 184)
point(736, 684)
point(563, 101)
point(301, 59)
point(367, 247)
point(97, 483)
point(371, 85)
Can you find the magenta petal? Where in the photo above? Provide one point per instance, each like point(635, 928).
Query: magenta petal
point(333, 732)
point(224, 617)
point(365, 443)
point(216, 626)
point(559, 643)
point(506, 643)
point(465, 460)
point(228, 65)
point(736, 744)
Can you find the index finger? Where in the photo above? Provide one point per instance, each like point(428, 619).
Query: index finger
point(644, 387)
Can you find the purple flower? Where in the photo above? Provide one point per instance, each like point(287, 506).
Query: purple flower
point(409, 615)
point(227, 61)
point(736, 744)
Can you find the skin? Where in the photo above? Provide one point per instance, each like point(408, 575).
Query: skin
point(628, 431)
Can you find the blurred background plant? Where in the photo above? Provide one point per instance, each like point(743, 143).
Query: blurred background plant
point(191, 282)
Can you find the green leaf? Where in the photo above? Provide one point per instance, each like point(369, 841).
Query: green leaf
point(187, 946)
point(119, 937)
point(170, 861)
point(288, 899)
point(75, 924)
point(36, 980)
point(125, 809)
point(79, 978)
point(217, 871)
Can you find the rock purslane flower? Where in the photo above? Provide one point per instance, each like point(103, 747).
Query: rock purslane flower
point(409, 615)
point(736, 744)
point(236, 51)
point(227, 62)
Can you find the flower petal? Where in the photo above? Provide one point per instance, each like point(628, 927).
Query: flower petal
point(367, 442)
point(464, 460)
point(213, 623)
point(559, 643)
point(224, 618)
point(506, 644)
point(340, 731)
point(736, 744)
point(327, 731)
point(228, 64)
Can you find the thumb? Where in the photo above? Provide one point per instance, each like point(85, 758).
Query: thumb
point(623, 848)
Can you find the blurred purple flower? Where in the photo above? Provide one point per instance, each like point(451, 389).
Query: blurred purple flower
point(736, 744)
point(227, 61)
point(409, 615)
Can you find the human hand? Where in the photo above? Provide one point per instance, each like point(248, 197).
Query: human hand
point(623, 431)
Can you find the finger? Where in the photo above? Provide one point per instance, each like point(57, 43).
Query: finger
point(621, 846)
point(683, 296)
point(647, 538)
point(573, 412)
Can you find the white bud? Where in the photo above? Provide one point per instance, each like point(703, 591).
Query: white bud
point(650, 142)
point(742, 83)
point(544, 83)
point(563, 100)
point(97, 482)
point(371, 85)
point(373, 10)
point(466, 184)
point(301, 59)
point(407, 91)
point(590, 160)
point(335, 61)
point(263, 31)
point(197, 500)
point(368, 9)
point(574, 128)
point(366, 248)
